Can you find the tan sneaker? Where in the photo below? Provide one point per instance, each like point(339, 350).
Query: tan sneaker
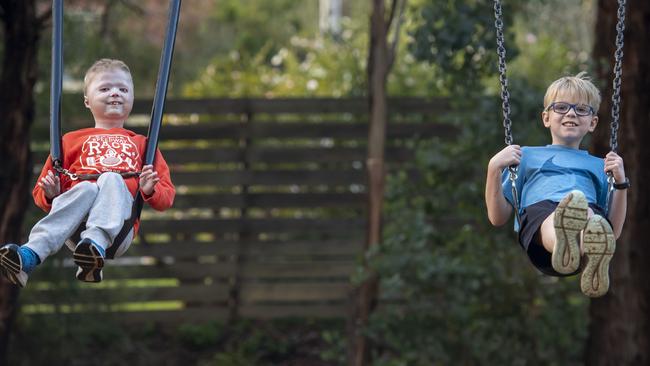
point(599, 245)
point(569, 220)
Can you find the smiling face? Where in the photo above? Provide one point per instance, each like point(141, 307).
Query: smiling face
point(109, 96)
point(568, 129)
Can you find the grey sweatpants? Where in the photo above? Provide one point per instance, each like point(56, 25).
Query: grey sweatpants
point(104, 204)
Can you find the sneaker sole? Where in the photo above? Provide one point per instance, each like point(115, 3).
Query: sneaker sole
point(569, 220)
point(11, 266)
point(599, 247)
point(90, 262)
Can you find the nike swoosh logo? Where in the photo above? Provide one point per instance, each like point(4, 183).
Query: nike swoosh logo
point(549, 169)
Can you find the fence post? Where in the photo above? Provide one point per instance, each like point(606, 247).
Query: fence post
point(244, 236)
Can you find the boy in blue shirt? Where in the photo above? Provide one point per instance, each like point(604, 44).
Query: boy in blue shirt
point(563, 191)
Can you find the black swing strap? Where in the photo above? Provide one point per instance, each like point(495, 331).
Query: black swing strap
point(56, 83)
point(156, 118)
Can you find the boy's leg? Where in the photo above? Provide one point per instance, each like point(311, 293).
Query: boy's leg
point(105, 220)
point(563, 241)
point(49, 234)
point(599, 245)
point(68, 212)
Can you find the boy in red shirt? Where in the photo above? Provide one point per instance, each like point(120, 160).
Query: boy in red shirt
point(105, 159)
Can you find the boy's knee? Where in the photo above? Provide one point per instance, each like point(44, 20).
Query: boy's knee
point(87, 188)
point(109, 178)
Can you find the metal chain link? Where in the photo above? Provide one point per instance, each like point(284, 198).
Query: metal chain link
point(501, 52)
point(505, 98)
point(61, 170)
point(618, 69)
point(616, 95)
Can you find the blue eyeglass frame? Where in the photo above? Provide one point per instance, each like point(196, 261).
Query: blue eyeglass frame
point(572, 106)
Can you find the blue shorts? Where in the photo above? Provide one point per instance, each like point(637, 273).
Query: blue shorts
point(530, 238)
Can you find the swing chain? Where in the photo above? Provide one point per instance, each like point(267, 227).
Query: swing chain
point(505, 97)
point(61, 170)
point(618, 67)
point(501, 51)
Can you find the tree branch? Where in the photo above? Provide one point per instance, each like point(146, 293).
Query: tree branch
point(43, 20)
point(105, 16)
point(391, 15)
point(393, 44)
point(134, 6)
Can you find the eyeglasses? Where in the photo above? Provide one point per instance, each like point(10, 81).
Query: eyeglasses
point(563, 108)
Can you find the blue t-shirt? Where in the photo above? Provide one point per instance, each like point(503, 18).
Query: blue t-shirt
point(550, 172)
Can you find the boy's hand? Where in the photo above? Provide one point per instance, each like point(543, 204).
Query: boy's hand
point(51, 185)
point(148, 180)
point(614, 164)
point(510, 155)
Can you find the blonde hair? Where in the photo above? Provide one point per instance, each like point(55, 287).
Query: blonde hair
point(102, 65)
point(579, 86)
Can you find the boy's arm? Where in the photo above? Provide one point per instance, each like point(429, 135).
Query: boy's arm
point(618, 208)
point(618, 211)
point(164, 192)
point(40, 199)
point(499, 209)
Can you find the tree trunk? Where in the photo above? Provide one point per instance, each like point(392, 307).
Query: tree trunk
point(377, 72)
point(619, 331)
point(19, 66)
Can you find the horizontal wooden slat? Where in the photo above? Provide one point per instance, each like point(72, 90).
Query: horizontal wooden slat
point(252, 225)
point(220, 270)
point(245, 106)
point(187, 292)
point(292, 105)
point(285, 292)
point(249, 294)
point(270, 200)
point(348, 248)
point(276, 177)
point(229, 130)
point(270, 177)
point(268, 155)
point(202, 314)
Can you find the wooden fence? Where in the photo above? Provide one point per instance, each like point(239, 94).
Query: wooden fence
point(269, 216)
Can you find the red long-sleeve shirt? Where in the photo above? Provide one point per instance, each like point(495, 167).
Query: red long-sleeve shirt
point(98, 150)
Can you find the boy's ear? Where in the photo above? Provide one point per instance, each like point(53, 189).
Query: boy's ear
point(86, 103)
point(545, 119)
point(593, 123)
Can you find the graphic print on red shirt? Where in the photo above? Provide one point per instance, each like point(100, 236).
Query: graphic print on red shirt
point(109, 153)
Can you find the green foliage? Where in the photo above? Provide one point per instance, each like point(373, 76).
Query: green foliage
point(253, 23)
point(314, 65)
point(307, 67)
point(100, 339)
point(458, 37)
point(273, 343)
point(200, 336)
point(455, 289)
